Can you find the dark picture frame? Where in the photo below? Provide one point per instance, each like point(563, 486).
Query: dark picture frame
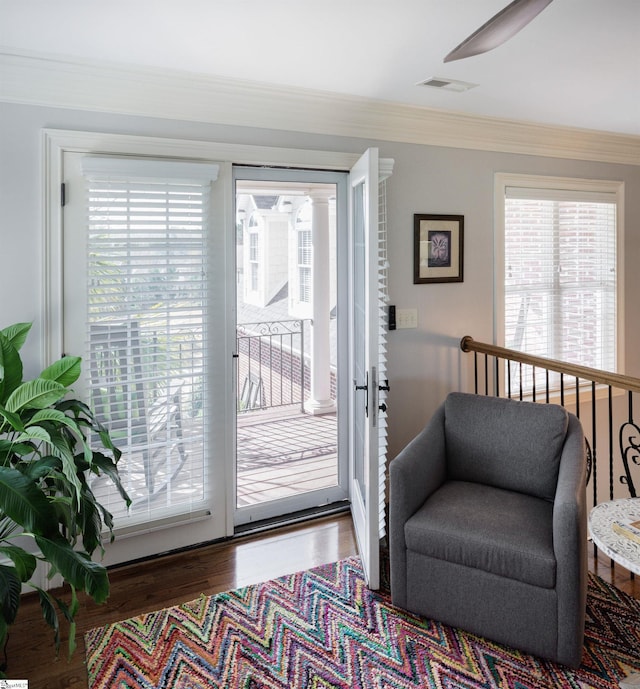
point(438, 242)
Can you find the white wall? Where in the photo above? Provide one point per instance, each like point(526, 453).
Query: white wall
point(424, 364)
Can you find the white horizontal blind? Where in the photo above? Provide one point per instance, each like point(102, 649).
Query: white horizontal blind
point(383, 322)
point(560, 276)
point(147, 311)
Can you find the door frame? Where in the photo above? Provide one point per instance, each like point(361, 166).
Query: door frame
point(338, 493)
point(55, 142)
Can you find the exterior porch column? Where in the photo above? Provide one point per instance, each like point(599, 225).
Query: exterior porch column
point(320, 401)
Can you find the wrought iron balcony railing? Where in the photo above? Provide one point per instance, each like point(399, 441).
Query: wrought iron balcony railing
point(272, 370)
point(603, 401)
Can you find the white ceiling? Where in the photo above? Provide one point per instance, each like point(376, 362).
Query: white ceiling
point(577, 64)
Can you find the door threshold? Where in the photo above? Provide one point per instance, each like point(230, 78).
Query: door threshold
point(247, 530)
point(292, 518)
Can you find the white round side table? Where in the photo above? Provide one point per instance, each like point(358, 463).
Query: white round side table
point(618, 547)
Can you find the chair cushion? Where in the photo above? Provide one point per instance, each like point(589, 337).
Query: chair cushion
point(503, 532)
point(505, 443)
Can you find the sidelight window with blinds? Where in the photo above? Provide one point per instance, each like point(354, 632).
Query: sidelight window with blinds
point(560, 294)
point(146, 320)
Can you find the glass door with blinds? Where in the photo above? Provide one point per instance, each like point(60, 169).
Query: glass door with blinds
point(144, 279)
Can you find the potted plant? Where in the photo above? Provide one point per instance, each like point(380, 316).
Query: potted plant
point(48, 511)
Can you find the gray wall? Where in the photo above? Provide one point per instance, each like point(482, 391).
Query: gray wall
point(424, 364)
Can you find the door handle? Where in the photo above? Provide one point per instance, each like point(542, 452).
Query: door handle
point(364, 387)
point(383, 388)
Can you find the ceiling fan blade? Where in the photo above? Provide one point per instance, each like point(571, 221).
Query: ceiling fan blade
point(499, 28)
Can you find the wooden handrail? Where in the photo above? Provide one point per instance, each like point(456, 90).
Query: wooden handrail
point(614, 380)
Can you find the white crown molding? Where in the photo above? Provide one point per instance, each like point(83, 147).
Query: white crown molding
point(35, 79)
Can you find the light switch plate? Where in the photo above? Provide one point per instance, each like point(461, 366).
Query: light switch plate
point(406, 318)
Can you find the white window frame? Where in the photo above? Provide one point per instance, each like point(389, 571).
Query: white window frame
point(504, 180)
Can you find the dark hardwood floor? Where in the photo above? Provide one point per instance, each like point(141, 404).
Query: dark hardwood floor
point(174, 579)
point(167, 581)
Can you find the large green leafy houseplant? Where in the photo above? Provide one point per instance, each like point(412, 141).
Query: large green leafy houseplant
point(48, 510)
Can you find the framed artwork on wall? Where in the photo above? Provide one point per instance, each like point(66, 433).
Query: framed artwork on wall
point(437, 248)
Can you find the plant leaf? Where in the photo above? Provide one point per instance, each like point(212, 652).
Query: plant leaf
point(41, 467)
point(107, 518)
point(12, 419)
point(65, 514)
point(76, 567)
point(10, 367)
point(107, 443)
point(11, 451)
point(2, 396)
point(60, 448)
point(64, 371)
point(35, 394)
point(75, 406)
point(90, 522)
point(72, 639)
point(50, 615)
point(25, 503)
point(24, 562)
point(10, 588)
point(7, 527)
point(108, 466)
point(64, 608)
point(74, 606)
point(36, 433)
point(4, 633)
point(70, 611)
point(53, 418)
point(54, 415)
point(17, 334)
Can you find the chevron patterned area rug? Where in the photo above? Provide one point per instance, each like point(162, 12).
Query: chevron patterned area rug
point(323, 628)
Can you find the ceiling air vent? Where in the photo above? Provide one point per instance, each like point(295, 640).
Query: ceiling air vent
point(447, 84)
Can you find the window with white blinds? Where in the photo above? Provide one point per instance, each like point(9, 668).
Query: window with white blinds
point(254, 264)
point(147, 302)
point(560, 276)
point(305, 258)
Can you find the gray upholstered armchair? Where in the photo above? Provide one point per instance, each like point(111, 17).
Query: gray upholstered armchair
point(488, 524)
